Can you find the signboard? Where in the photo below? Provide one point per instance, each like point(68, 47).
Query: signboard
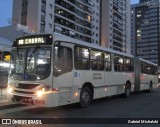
point(30, 41)
point(45, 39)
point(7, 57)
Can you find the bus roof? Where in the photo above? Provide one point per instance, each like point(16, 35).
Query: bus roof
point(146, 61)
point(60, 37)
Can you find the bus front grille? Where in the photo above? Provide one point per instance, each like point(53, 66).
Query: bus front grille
point(17, 91)
point(22, 99)
point(27, 86)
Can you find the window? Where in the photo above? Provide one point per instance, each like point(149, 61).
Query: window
point(89, 18)
point(107, 61)
point(50, 25)
point(143, 67)
point(50, 15)
point(132, 65)
point(96, 60)
point(138, 15)
point(50, 6)
point(82, 58)
point(128, 65)
point(148, 69)
point(118, 63)
point(63, 60)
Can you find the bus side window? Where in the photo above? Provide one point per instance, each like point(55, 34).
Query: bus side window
point(97, 60)
point(118, 63)
point(107, 60)
point(132, 66)
point(82, 58)
point(63, 60)
point(128, 65)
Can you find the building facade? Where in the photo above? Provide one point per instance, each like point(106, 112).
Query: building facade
point(75, 18)
point(115, 25)
point(13, 31)
point(145, 30)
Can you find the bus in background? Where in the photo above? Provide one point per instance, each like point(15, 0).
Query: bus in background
point(5, 48)
point(5, 59)
point(50, 70)
point(4, 67)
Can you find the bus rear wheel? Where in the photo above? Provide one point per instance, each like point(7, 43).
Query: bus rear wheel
point(85, 97)
point(127, 90)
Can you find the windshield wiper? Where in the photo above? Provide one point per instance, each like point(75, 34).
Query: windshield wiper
point(27, 74)
point(33, 52)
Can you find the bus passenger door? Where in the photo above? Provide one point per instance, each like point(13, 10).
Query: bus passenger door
point(63, 72)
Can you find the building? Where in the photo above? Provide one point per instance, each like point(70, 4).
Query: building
point(145, 30)
point(115, 25)
point(13, 31)
point(5, 44)
point(75, 18)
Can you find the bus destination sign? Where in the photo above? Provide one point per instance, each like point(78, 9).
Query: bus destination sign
point(46, 39)
point(30, 41)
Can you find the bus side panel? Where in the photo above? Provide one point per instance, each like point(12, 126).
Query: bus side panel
point(95, 78)
point(64, 84)
point(98, 83)
point(118, 81)
point(155, 81)
point(144, 81)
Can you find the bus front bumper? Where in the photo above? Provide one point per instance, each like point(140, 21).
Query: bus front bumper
point(49, 99)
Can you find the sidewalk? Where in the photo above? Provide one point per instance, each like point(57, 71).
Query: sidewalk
point(3, 97)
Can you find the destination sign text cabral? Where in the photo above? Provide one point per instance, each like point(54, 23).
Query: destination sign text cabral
point(30, 41)
point(33, 40)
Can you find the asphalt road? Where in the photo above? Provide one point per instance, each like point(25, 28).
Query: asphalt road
point(141, 105)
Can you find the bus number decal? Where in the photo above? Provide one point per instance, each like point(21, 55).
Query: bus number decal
point(77, 74)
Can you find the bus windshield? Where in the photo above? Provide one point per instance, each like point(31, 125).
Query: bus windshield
point(31, 63)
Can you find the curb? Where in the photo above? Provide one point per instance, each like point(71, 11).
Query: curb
point(3, 102)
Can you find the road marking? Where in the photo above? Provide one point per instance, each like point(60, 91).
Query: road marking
point(16, 109)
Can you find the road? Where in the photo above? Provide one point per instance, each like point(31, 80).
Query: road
point(141, 105)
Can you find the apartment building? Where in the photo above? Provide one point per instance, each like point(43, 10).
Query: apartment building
point(145, 30)
point(75, 18)
point(115, 25)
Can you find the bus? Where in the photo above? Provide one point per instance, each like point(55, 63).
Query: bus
point(4, 67)
point(50, 70)
point(5, 48)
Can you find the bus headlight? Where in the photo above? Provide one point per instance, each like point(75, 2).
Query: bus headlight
point(40, 92)
point(9, 89)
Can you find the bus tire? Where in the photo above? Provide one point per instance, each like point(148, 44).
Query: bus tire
point(85, 97)
point(127, 90)
point(150, 88)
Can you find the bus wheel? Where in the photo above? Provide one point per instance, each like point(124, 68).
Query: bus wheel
point(85, 97)
point(127, 90)
point(150, 87)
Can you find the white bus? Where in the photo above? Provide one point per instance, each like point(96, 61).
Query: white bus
point(145, 74)
point(52, 70)
point(4, 67)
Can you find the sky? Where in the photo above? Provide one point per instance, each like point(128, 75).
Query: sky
point(6, 11)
